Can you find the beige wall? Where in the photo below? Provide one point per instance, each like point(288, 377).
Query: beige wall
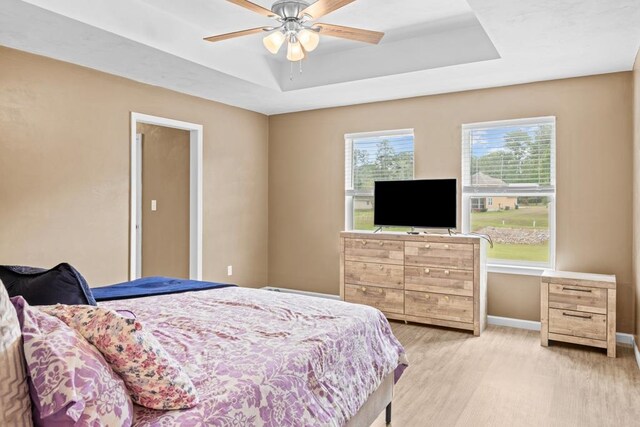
point(165, 179)
point(636, 191)
point(274, 186)
point(594, 162)
point(64, 171)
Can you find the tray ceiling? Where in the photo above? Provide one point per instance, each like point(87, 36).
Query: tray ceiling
point(431, 46)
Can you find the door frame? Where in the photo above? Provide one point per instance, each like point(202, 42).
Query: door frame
point(195, 192)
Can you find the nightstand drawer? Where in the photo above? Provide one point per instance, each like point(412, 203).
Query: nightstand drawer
point(445, 255)
point(384, 299)
point(578, 298)
point(429, 279)
point(578, 324)
point(367, 273)
point(376, 251)
point(439, 306)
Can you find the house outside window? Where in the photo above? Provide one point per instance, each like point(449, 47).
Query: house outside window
point(370, 157)
point(509, 189)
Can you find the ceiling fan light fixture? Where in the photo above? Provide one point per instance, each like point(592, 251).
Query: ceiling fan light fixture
point(274, 41)
point(309, 39)
point(294, 51)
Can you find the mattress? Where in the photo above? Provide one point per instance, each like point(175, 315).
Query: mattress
point(264, 358)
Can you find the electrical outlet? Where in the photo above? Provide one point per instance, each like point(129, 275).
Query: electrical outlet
point(230, 270)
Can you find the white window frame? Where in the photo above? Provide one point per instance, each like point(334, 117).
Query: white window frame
point(350, 193)
point(195, 193)
point(508, 266)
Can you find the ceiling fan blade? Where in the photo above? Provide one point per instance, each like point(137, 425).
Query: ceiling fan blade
point(350, 33)
point(235, 34)
point(253, 7)
point(324, 7)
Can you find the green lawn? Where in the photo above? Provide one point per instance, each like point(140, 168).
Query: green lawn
point(525, 217)
point(363, 220)
point(532, 253)
point(513, 218)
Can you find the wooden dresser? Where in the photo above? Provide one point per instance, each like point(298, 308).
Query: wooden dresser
point(579, 308)
point(432, 279)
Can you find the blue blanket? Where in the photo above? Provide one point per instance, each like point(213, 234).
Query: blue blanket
point(149, 286)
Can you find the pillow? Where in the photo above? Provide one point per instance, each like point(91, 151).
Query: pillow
point(61, 284)
point(15, 405)
point(70, 382)
point(154, 378)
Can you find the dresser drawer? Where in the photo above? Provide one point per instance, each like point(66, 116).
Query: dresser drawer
point(376, 274)
point(384, 299)
point(440, 280)
point(373, 250)
point(445, 255)
point(578, 324)
point(439, 306)
point(578, 298)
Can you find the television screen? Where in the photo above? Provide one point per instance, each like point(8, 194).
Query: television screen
point(427, 203)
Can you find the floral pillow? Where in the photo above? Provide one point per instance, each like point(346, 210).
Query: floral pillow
point(153, 377)
point(70, 382)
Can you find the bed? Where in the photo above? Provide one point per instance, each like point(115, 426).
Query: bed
point(264, 358)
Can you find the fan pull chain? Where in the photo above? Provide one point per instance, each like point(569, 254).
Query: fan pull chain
point(291, 69)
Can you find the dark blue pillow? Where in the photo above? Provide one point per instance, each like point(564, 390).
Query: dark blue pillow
point(62, 284)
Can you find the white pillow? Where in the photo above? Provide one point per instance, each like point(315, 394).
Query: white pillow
point(15, 404)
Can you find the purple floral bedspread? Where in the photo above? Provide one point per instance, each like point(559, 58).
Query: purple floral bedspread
point(264, 358)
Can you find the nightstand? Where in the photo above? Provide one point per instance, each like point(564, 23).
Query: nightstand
point(578, 308)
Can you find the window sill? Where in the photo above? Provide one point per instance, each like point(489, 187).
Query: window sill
point(520, 270)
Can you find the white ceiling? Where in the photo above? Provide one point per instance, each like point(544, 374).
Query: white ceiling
point(430, 46)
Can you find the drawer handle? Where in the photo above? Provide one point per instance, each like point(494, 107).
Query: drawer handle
point(446, 297)
point(446, 272)
point(364, 289)
point(576, 315)
point(364, 242)
point(427, 246)
point(381, 267)
point(381, 243)
point(426, 270)
point(364, 266)
point(576, 289)
point(446, 246)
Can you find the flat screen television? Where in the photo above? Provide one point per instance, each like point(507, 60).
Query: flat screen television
point(424, 203)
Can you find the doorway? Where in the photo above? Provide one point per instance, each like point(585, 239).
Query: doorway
point(166, 198)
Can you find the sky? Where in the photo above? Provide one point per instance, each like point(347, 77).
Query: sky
point(485, 141)
point(370, 145)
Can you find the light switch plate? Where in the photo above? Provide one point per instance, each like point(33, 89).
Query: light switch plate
point(154, 205)
point(229, 270)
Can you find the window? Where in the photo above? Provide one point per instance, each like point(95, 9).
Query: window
point(370, 157)
point(508, 189)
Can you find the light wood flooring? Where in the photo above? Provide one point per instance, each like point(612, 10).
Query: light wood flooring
point(505, 378)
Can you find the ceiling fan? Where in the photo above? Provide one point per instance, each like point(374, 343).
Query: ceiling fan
point(297, 28)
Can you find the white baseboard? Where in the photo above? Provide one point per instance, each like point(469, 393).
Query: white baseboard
point(625, 339)
point(513, 323)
